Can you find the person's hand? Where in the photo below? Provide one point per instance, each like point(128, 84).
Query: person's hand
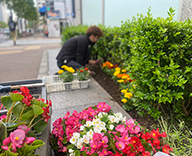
point(99, 62)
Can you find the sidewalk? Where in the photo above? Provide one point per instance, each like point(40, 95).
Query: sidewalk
point(75, 99)
point(32, 40)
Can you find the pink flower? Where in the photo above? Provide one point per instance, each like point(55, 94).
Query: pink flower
point(30, 140)
point(14, 149)
point(104, 151)
point(137, 129)
point(5, 147)
point(66, 115)
point(57, 122)
point(103, 107)
point(75, 113)
point(105, 140)
point(6, 141)
point(23, 127)
point(120, 145)
point(17, 137)
point(2, 117)
point(120, 128)
point(96, 136)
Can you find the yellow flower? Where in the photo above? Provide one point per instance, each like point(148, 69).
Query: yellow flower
point(134, 86)
point(128, 95)
point(120, 81)
point(125, 77)
point(123, 70)
point(117, 68)
point(116, 73)
point(124, 91)
point(60, 71)
point(124, 100)
point(64, 67)
point(70, 69)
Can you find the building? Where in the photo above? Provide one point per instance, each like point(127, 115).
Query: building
point(3, 13)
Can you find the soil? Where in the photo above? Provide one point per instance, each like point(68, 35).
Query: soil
point(113, 90)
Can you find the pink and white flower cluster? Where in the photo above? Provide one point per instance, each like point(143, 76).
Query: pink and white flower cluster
point(97, 130)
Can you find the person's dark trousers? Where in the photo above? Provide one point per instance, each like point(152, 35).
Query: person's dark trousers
point(74, 64)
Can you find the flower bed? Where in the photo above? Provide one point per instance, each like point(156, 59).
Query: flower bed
point(98, 131)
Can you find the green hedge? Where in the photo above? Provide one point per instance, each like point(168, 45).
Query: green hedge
point(157, 53)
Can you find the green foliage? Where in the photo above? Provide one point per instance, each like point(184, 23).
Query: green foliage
point(157, 53)
point(3, 24)
point(178, 137)
point(23, 8)
point(83, 74)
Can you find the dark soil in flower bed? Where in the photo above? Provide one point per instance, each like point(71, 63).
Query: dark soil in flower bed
point(113, 90)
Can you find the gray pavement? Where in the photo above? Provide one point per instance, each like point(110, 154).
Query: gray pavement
point(75, 99)
point(30, 41)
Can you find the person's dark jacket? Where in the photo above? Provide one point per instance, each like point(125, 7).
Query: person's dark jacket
point(12, 25)
point(74, 49)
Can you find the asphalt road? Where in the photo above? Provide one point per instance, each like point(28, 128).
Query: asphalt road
point(22, 62)
point(3, 38)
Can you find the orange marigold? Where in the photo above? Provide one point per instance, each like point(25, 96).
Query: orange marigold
point(119, 76)
point(81, 70)
point(86, 69)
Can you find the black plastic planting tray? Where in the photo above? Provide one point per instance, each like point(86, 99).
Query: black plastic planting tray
point(35, 91)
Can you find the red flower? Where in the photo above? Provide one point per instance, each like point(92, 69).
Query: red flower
point(146, 153)
point(26, 101)
point(46, 114)
point(86, 69)
point(166, 149)
point(24, 89)
point(118, 154)
point(81, 70)
point(134, 140)
point(156, 142)
point(155, 133)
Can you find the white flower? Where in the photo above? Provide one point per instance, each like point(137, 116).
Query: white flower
point(76, 135)
point(79, 143)
point(112, 118)
point(111, 127)
point(97, 130)
point(102, 124)
point(118, 115)
point(73, 140)
point(86, 139)
point(94, 122)
point(98, 121)
point(90, 133)
point(71, 151)
point(100, 115)
point(81, 128)
point(124, 119)
point(88, 123)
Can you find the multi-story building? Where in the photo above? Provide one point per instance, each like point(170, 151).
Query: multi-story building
point(39, 3)
point(3, 13)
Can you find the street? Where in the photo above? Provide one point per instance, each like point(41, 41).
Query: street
point(21, 62)
point(3, 38)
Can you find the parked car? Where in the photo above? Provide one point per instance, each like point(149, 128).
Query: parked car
point(6, 31)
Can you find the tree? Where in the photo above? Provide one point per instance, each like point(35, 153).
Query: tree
point(23, 8)
point(3, 24)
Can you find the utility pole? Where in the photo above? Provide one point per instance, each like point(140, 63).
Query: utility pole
point(103, 12)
